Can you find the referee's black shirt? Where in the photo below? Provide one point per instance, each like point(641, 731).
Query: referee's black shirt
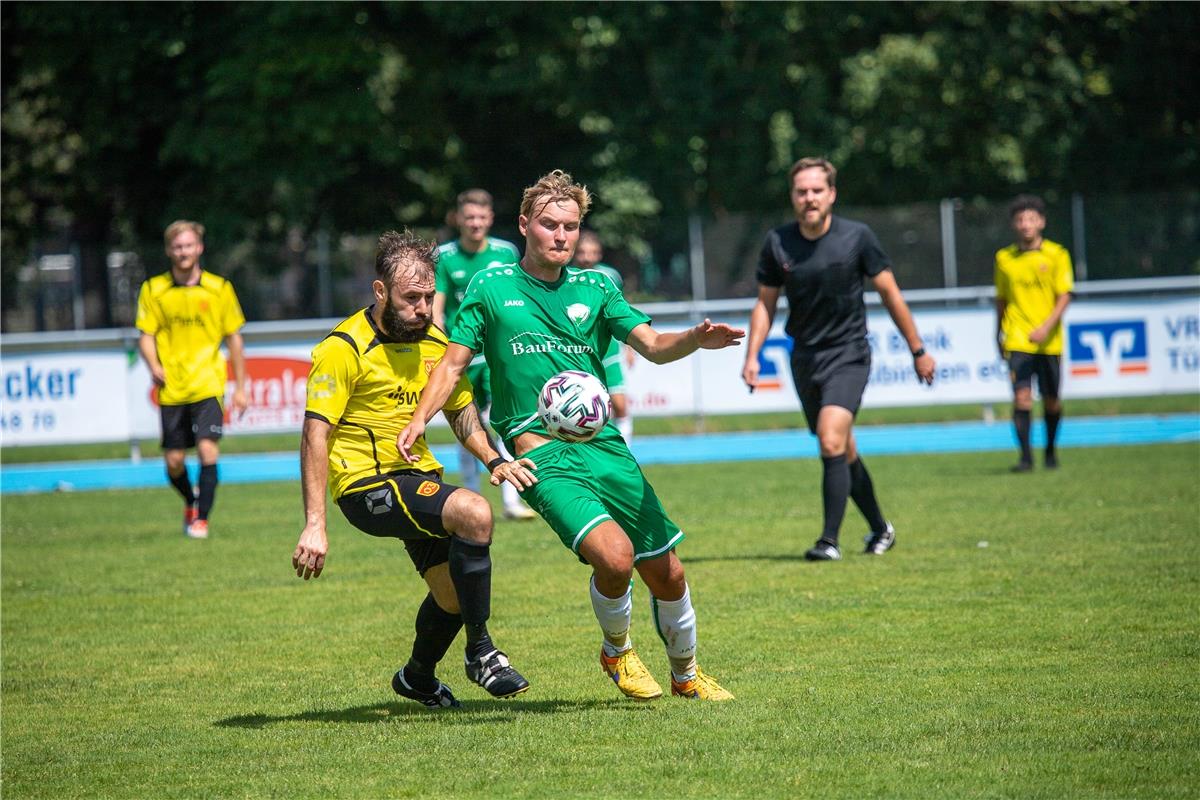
point(823, 280)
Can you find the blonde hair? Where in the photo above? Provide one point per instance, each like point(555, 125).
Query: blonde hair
point(554, 187)
point(179, 226)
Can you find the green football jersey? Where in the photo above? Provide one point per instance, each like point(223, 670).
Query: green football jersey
point(456, 267)
point(530, 330)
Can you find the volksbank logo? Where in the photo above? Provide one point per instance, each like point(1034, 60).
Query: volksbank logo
point(531, 342)
point(774, 361)
point(1108, 348)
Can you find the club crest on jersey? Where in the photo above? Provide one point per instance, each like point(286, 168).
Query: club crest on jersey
point(578, 313)
point(429, 488)
point(430, 363)
point(321, 386)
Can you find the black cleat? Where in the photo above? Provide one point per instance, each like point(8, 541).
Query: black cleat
point(440, 697)
point(1051, 461)
point(823, 551)
point(493, 673)
point(880, 543)
point(1022, 466)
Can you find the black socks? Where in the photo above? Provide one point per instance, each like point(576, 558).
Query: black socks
point(436, 630)
point(862, 491)
point(1052, 421)
point(835, 488)
point(471, 572)
point(1021, 425)
point(208, 489)
point(183, 485)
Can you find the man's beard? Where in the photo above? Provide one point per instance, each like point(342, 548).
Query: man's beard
point(399, 330)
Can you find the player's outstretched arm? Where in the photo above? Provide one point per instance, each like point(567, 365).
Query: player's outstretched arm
point(663, 348)
point(437, 391)
point(893, 301)
point(308, 559)
point(762, 316)
point(469, 429)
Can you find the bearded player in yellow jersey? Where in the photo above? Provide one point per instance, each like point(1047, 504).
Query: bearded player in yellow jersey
point(184, 314)
point(1033, 288)
point(366, 378)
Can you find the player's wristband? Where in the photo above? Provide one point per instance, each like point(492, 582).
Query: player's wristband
point(920, 351)
point(495, 462)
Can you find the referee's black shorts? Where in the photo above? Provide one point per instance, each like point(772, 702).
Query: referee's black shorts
point(835, 376)
point(405, 505)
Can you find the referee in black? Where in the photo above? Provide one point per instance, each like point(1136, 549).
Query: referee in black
point(821, 261)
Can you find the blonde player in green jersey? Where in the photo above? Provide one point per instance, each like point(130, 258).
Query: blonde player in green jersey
point(458, 261)
point(588, 253)
point(365, 380)
point(532, 320)
point(1034, 280)
point(183, 315)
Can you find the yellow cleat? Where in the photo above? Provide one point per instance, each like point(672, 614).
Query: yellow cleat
point(630, 675)
point(700, 687)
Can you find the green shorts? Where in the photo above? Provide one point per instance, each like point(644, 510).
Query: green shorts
point(614, 372)
point(581, 485)
point(481, 382)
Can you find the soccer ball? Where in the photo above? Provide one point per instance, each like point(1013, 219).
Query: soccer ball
point(574, 406)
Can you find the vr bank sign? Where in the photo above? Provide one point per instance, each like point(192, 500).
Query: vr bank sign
point(1108, 349)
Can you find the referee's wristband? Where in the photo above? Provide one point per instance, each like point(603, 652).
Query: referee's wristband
point(495, 462)
point(920, 351)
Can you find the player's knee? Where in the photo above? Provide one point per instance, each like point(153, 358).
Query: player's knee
point(832, 445)
point(468, 516)
point(1052, 405)
point(174, 461)
point(1023, 398)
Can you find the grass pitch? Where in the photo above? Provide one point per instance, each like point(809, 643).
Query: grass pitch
point(1030, 636)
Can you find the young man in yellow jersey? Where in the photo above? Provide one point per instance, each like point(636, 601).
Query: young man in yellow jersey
point(366, 378)
point(1033, 288)
point(184, 314)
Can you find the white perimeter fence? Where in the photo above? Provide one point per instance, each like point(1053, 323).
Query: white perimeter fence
point(1137, 337)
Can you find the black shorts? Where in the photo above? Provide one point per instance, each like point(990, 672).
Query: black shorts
point(405, 505)
point(1048, 369)
point(183, 425)
point(836, 376)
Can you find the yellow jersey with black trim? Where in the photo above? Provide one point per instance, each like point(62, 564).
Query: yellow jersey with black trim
point(188, 324)
point(366, 385)
point(1030, 283)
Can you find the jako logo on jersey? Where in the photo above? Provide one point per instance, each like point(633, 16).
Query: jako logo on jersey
point(510, 303)
point(773, 361)
point(1108, 348)
point(428, 489)
point(544, 343)
point(578, 313)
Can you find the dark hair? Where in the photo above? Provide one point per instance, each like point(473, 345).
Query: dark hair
point(404, 250)
point(1026, 202)
point(812, 162)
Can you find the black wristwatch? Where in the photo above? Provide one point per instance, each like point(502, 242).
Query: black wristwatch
point(920, 351)
point(495, 462)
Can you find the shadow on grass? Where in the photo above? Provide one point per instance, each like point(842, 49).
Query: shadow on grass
point(471, 712)
point(746, 557)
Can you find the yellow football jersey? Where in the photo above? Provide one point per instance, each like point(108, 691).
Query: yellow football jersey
point(188, 324)
point(366, 386)
point(1030, 282)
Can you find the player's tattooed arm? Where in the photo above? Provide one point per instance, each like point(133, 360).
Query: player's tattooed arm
point(465, 422)
point(469, 429)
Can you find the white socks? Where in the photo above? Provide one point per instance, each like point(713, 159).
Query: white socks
point(676, 620)
point(613, 614)
point(625, 427)
point(508, 492)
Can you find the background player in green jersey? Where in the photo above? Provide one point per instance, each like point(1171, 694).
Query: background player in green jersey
point(184, 314)
point(364, 383)
point(458, 261)
point(532, 321)
point(588, 253)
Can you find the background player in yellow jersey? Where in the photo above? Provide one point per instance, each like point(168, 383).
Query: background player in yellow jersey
point(1033, 288)
point(366, 378)
point(184, 314)
point(474, 250)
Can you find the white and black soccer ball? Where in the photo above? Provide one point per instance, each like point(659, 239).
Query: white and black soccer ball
point(574, 406)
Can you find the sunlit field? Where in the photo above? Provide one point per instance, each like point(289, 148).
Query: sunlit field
point(1029, 636)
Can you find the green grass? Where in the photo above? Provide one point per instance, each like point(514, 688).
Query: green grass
point(1059, 660)
point(650, 426)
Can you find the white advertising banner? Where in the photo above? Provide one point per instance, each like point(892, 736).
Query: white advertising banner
point(64, 398)
point(1111, 348)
